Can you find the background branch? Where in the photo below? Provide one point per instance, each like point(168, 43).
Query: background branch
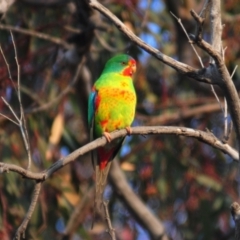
point(235, 210)
point(37, 34)
point(134, 204)
point(21, 230)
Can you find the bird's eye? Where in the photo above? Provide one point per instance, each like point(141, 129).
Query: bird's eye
point(123, 63)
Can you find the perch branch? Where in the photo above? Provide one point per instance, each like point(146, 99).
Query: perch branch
point(206, 137)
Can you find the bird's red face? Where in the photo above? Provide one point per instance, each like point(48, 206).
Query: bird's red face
point(130, 68)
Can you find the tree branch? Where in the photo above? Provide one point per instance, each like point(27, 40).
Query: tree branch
point(216, 25)
point(64, 92)
point(182, 68)
point(206, 137)
point(110, 230)
point(222, 77)
point(21, 230)
point(36, 34)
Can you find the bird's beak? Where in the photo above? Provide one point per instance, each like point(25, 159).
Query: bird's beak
point(132, 65)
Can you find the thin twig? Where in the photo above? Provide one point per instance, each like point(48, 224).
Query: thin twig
point(9, 119)
point(190, 41)
point(8, 68)
point(22, 120)
point(217, 98)
point(10, 108)
point(199, 30)
point(203, 12)
point(63, 93)
point(234, 70)
point(21, 230)
point(200, 21)
point(110, 230)
point(33, 33)
point(6, 62)
point(104, 43)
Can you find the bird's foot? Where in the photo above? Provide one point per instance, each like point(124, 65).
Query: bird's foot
point(129, 130)
point(107, 136)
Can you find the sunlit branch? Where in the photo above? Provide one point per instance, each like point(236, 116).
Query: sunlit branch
point(178, 66)
point(206, 137)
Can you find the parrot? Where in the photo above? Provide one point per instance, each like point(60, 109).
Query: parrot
point(111, 106)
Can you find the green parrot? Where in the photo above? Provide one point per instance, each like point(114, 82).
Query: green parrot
point(111, 106)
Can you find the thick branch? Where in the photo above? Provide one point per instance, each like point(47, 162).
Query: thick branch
point(216, 25)
point(206, 137)
point(222, 77)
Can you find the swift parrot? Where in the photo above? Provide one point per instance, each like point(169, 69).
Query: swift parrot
point(111, 106)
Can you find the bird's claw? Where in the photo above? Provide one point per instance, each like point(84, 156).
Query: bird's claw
point(129, 130)
point(107, 136)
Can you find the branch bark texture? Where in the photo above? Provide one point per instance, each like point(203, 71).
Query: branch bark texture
point(206, 137)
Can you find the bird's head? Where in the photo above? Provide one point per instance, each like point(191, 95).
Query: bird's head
point(123, 64)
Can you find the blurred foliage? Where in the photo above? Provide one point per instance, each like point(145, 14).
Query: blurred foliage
point(187, 184)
